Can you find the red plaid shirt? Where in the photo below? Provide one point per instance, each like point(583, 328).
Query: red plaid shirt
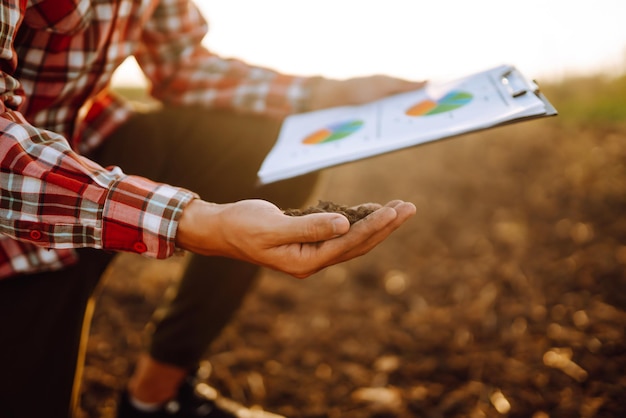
point(56, 60)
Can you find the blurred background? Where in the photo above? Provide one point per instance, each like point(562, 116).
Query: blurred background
point(505, 296)
point(417, 40)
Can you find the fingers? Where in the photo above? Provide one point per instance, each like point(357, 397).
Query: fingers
point(404, 211)
point(316, 228)
point(403, 208)
point(370, 206)
point(312, 228)
point(370, 231)
point(361, 238)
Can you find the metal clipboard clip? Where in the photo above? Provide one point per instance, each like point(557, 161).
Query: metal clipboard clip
point(516, 84)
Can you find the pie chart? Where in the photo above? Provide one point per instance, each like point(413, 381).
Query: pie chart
point(452, 100)
point(333, 132)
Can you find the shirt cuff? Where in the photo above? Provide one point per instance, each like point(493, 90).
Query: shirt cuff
point(141, 216)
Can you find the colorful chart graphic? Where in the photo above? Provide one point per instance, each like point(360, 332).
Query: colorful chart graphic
point(333, 132)
point(450, 101)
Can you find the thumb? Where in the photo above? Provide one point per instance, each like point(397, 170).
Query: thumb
point(315, 227)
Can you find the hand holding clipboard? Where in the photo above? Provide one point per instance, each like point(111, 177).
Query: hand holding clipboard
point(324, 138)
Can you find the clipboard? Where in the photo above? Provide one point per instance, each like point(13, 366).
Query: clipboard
point(316, 140)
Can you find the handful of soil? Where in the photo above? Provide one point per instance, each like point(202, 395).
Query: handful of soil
point(353, 214)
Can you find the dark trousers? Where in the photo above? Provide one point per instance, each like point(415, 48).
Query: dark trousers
point(213, 153)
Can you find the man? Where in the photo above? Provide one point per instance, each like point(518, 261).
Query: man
point(85, 176)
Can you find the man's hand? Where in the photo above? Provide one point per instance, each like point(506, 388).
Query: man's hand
point(354, 91)
point(259, 232)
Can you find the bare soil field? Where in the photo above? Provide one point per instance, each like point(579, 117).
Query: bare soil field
point(504, 296)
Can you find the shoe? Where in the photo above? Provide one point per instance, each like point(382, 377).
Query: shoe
point(193, 400)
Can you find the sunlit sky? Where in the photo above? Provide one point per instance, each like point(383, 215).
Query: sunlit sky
point(546, 39)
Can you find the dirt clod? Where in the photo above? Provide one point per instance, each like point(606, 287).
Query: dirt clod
point(353, 214)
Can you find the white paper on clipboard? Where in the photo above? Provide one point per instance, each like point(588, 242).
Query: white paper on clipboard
point(315, 140)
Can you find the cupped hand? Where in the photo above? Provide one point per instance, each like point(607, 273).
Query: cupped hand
point(257, 231)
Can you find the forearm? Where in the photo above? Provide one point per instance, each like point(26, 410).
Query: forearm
point(54, 198)
point(183, 72)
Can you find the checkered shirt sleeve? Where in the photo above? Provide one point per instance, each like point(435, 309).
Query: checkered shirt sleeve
point(182, 71)
point(54, 198)
point(51, 198)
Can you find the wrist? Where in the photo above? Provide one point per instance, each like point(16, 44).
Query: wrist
point(320, 90)
point(197, 227)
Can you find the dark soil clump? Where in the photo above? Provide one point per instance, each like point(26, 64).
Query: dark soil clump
point(353, 214)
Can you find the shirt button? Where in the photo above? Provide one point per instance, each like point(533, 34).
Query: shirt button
point(140, 247)
point(35, 235)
